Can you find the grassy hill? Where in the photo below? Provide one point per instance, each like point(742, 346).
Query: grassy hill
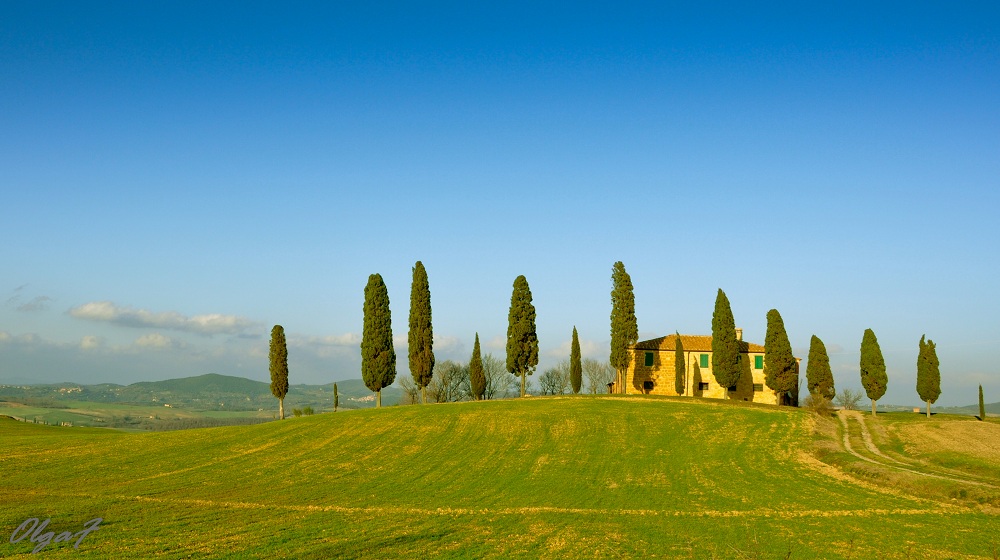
point(209, 392)
point(540, 477)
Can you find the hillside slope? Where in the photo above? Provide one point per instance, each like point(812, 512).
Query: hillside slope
point(540, 477)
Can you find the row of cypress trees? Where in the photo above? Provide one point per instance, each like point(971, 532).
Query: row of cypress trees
point(780, 368)
point(873, 371)
point(378, 356)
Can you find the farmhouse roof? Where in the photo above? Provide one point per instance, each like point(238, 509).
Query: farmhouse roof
point(691, 343)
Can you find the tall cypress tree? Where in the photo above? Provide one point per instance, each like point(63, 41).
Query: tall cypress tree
point(679, 369)
point(522, 340)
point(378, 357)
point(928, 373)
point(819, 376)
point(781, 372)
point(420, 339)
point(873, 376)
point(575, 364)
point(477, 378)
point(278, 356)
point(624, 328)
point(336, 398)
point(982, 404)
point(725, 347)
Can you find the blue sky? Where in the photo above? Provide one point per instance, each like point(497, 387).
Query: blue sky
point(178, 178)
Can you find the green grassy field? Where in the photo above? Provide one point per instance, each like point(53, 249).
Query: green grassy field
point(543, 477)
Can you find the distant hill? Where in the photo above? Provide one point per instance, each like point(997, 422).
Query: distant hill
point(210, 391)
point(972, 409)
point(210, 382)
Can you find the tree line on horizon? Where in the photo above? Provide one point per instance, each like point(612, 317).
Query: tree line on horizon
point(481, 377)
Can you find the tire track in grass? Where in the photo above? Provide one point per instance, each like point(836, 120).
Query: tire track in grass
point(208, 463)
point(898, 465)
point(520, 511)
point(944, 510)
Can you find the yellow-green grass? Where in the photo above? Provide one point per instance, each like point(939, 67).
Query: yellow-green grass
point(555, 477)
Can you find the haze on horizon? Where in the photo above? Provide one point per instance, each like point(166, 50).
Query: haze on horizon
point(179, 178)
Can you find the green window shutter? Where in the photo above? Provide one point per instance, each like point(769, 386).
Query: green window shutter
point(758, 362)
point(704, 361)
point(649, 359)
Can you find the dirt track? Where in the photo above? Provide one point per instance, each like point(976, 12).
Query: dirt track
point(879, 458)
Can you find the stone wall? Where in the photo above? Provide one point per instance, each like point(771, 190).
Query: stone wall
point(658, 379)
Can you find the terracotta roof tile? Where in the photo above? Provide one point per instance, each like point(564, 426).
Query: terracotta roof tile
point(691, 343)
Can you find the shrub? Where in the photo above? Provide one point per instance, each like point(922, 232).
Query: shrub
point(308, 411)
point(818, 405)
point(297, 412)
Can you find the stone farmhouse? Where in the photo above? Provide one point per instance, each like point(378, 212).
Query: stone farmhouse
point(651, 370)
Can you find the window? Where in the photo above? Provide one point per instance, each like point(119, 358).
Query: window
point(704, 360)
point(758, 362)
point(703, 386)
point(649, 359)
point(758, 387)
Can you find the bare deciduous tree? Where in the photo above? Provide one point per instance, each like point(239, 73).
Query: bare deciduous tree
point(499, 382)
point(598, 375)
point(848, 399)
point(555, 380)
point(450, 382)
point(411, 394)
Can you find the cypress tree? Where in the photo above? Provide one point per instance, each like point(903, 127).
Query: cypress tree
point(781, 373)
point(477, 379)
point(522, 340)
point(982, 404)
point(873, 376)
point(278, 356)
point(725, 347)
point(928, 373)
point(624, 328)
point(679, 372)
point(575, 364)
point(336, 398)
point(819, 376)
point(420, 339)
point(378, 357)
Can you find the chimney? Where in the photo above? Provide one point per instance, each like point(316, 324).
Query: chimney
point(739, 334)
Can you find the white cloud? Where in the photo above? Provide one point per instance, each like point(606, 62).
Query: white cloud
point(156, 341)
point(209, 324)
point(446, 344)
point(346, 339)
point(498, 342)
point(328, 346)
point(588, 349)
point(91, 342)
